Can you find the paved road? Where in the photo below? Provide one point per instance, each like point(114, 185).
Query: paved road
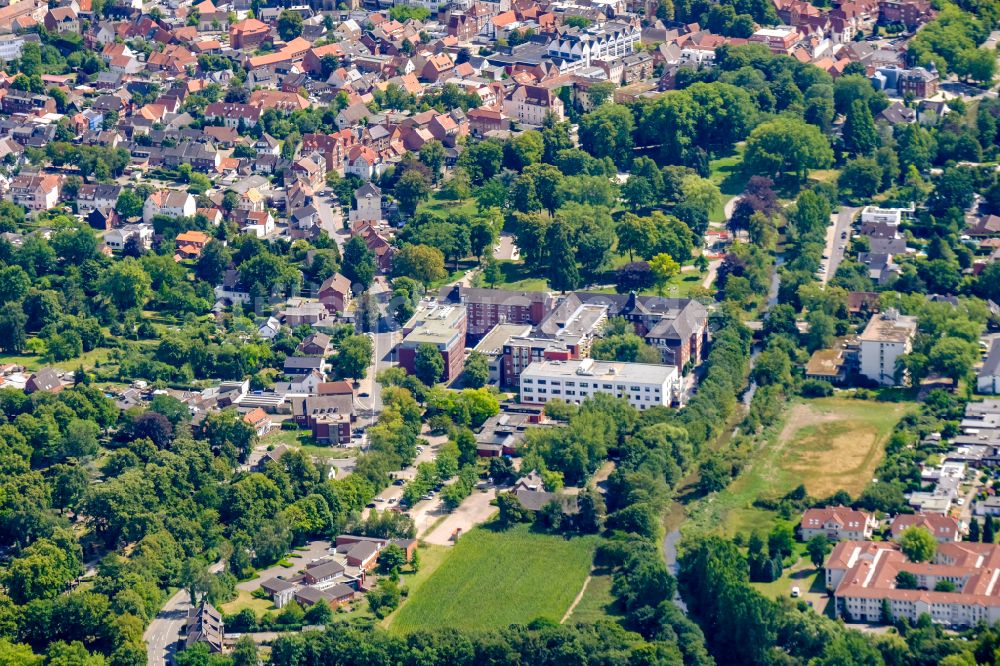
point(840, 223)
point(162, 634)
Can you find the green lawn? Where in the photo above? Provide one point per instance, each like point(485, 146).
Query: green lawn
point(246, 600)
point(444, 208)
point(517, 277)
point(33, 362)
point(597, 602)
point(492, 579)
point(827, 444)
point(303, 440)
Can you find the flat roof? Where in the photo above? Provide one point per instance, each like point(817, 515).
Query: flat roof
point(435, 324)
point(493, 342)
point(886, 327)
point(647, 373)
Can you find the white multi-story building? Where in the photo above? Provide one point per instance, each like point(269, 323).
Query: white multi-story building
point(874, 214)
point(116, 238)
point(643, 385)
point(606, 42)
point(887, 336)
point(10, 47)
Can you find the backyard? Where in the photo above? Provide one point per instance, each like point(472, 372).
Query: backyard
point(494, 578)
point(826, 444)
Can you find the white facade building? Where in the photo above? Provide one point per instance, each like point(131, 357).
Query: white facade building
point(116, 238)
point(607, 42)
point(643, 385)
point(988, 378)
point(874, 214)
point(888, 336)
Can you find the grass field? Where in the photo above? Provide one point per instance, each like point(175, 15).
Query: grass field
point(246, 600)
point(444, 208)
point(303, 440)
point(597, 600)
point(516, 276)
point(492, 579)
point(827, 444)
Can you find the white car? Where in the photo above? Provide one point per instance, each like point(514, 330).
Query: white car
point(796, 592)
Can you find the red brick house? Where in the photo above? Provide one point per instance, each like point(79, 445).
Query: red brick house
point(335, 293)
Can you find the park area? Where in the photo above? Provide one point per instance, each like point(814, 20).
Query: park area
point(493, 578)
point(826, 444)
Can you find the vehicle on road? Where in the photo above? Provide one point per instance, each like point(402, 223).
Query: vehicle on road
point(362, 395)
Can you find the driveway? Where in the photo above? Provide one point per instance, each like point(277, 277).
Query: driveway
point(163, 632)
point(314, 550)
point(506, 248)
point(331, 219)
point(475, 510)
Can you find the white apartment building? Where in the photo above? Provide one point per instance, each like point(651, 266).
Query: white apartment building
point(874, 214)
point(643, 385)
point(10, 47)
point(887, 336)
point(116, 238)
point(607, 42)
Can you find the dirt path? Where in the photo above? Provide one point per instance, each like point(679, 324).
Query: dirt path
point(579, 597)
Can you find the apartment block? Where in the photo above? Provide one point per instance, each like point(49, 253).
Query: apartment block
point(643, 385)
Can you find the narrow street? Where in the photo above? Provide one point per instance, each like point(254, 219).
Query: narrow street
point(163, 632)
point(837, 238)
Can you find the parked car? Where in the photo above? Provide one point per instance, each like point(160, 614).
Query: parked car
point(796, 592)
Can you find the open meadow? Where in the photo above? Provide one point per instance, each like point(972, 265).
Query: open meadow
point(826, 444)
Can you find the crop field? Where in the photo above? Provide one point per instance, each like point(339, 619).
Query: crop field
point(492, 579)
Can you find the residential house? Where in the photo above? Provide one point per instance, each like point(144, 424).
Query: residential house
point(22, 102)
point(259, 420)
point(116, 239)
point(36, 192)
point(303, 365)
point(944, 528)
point(96, 195)
point(368, 204)
point(836, 523)
point(531, 104)
point(190, 244)
point(329, 417)
point(45, 380)
point(335, 293)
point(363, 162)
point(168, 203)
point(315, 344)
point(233, 114)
